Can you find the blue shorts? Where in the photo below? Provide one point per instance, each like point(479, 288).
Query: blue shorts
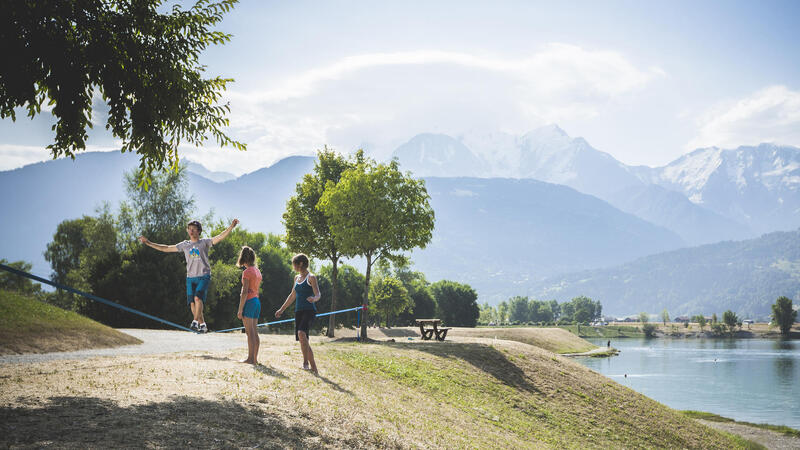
point(197, 287)
point(252, 308)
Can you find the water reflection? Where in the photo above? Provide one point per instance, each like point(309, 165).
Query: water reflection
point(784, 363)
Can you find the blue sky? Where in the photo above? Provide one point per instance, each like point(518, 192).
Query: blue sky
point(644, 81)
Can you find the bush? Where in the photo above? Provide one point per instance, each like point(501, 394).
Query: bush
point(649, 329)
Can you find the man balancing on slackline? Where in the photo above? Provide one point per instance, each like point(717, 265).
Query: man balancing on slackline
point(198, 270)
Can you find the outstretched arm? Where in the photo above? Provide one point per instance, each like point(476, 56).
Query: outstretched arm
point(286, 304)
point(159, 247)
point(218, 238)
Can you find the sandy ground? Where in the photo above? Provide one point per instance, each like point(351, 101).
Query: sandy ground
point(178, 389)
point(153, 342)
point(767, 438)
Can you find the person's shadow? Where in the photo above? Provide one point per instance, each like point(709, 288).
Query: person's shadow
point(266, 370)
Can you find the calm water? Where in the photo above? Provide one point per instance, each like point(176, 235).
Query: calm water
point(754, 380)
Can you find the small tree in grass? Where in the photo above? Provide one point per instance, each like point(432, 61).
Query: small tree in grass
point(729, 319)
point(665, 316)
point(700, 320)
point(783, 314)
point(376, 211)
point(648, 329)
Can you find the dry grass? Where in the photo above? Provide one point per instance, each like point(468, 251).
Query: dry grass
point(556, 340)
point(461, 393)
point(30, 326)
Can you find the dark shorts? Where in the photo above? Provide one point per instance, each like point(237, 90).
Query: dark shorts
point(197, 287)
point(302, 321)
point(252, 308)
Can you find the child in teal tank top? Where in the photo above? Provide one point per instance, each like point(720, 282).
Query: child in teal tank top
point(305, 294)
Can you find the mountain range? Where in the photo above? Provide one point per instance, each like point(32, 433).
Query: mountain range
point(497, 227)
point(722, 194)
point(744, 276)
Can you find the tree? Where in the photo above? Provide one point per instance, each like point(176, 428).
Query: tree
point(502, 312)
point(701, 320)
point(729, 319)
point(13, 282)
point(783, 314)
point(665, 316)
point(648, 329)
point(518, 309)
point(457, 303)
point(350, 289)
point(714, 319)
point(389, 298)
point(488, 314)
point(419, 290)
point(307, 227)
point(84, 255)
point(375, 211)
point(585, 309)
point(556, 309)
point(145, 65)
point(540, 311)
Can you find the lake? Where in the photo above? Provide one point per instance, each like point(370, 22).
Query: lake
point(753, 380)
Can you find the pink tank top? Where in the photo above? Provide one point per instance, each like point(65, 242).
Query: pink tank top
point(254, 275)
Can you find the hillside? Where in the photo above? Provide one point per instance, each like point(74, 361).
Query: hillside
point(478, 394)
point(30, 326)
point(745, 276)
point(500, 235)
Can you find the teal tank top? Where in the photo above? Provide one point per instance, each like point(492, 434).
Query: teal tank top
point(302, 291)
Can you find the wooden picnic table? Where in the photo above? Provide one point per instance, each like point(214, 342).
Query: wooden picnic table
point(428, 333)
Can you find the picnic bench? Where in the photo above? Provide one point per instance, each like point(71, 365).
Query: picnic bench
point(428, 333)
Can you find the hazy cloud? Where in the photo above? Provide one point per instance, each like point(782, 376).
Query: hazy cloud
point(771, 114)
point(379, 100)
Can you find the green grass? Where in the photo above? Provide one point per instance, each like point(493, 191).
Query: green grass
point(511, 395)
point(553, 339)
point(28, 325)
point(610, 331)
point(716, 418)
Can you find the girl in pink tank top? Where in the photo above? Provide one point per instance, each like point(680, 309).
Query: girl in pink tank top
point(249, 304)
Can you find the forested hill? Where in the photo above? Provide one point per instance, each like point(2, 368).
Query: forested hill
point(745, 276)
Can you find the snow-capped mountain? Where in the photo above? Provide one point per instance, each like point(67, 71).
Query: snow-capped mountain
point(428, 154)
point(724, 194)
point(757, 186)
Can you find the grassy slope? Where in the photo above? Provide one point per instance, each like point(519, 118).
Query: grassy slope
point(486, 394)
point(30, 326)
point(556, 340)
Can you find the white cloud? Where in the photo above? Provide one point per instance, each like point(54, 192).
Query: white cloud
point(379, 100)
point(771, 114)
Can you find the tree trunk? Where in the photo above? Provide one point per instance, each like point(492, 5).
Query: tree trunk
point(366, 299)
point(332, 317)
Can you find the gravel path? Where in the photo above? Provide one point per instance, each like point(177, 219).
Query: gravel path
point(767, 438)
point(153, 342)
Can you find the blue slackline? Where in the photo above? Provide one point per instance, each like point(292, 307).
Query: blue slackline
point(126, 308)
point(358, 308)
point(91, 296)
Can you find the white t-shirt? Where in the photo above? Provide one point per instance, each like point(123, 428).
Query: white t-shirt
point(196, 254)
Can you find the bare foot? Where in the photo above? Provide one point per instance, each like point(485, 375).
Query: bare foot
point(247, 361)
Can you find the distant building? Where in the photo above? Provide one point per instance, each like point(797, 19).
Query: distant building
point(682, 319)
